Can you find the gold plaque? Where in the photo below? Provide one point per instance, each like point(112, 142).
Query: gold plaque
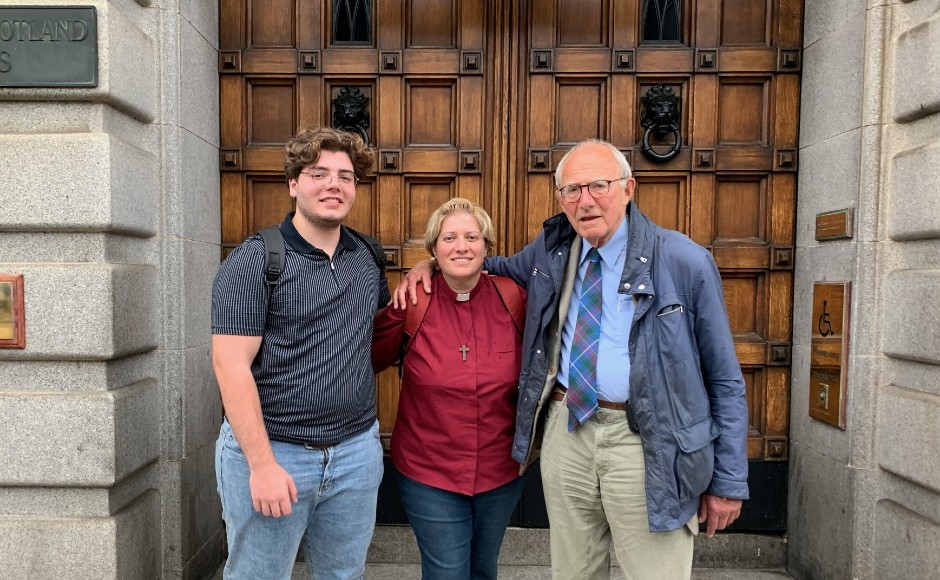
point(828, 346)
point(12, 318)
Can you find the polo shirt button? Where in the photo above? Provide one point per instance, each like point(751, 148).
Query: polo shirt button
point(626, 286)
point(641, 287)
point(538, 352)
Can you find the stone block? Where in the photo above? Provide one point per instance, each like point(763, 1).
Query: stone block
point(40, 375)
point(822, 18)
point(831, 99)
point(88, 311)
point(72, 502)
point(911, 327)
point(913, 375)
point(828, 180)
point(909, 427)
point(192, 511)
point(201, 508)
point(200, 205)
point(821, 504)
point(126, 545)
point(127, 58)
point(107, 436)
point(914, 181)
point(202, 404)
point(906, 544)
point(917, 71)
point(192, 267)
point(199, 85)
point(911, 496)
point(113, 182)
point(204, 17)
point(192, 405)
point(866, 375)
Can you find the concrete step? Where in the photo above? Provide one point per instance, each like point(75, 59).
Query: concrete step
point(413, 571)
point(525, 555)
point(530, 547)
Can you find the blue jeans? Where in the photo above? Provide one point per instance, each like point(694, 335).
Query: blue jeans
point(459, 535)
point(335, 513)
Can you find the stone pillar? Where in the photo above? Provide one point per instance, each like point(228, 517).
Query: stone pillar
point(109, 205)
point(865, 502)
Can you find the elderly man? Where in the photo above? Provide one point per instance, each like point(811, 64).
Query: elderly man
point(629, 379)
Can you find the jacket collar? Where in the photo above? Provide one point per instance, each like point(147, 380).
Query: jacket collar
point(639, 262)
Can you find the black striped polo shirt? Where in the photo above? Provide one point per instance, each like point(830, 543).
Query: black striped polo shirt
point(313, 370)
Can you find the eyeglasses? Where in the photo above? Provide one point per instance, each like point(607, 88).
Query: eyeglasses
point(599, 188)
point(324, 177)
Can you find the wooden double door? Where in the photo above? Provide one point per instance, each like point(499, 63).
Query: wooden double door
point(481, 98)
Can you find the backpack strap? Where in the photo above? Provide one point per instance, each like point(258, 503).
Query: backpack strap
point(273, 254)
point(511, 297)
point(414, 316)
point(375, 248)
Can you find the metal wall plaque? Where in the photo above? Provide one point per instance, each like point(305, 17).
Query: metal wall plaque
point(55, 46)
point(12, 313)
point(828, 348)
point(834, 225)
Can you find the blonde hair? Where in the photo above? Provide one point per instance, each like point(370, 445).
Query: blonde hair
point(451, 207)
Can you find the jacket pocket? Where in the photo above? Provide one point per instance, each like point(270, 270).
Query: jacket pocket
point(695, 459)
point(673, 332)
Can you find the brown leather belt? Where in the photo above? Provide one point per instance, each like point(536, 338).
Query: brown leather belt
point(559, 395)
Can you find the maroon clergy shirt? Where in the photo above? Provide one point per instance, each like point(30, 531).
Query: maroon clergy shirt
point(455, 418)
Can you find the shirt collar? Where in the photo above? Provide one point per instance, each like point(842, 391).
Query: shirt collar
point(296, 241)
point(611, 250)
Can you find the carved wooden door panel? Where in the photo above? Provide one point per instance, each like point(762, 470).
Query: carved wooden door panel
point(481, 98)
point(584, 67)
point(418, 66)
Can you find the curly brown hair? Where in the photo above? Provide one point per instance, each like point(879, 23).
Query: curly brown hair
point(304, 148)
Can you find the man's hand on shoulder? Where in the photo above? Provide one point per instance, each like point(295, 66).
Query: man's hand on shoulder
point(719, 512)
point(272, 490)
point(408, 288)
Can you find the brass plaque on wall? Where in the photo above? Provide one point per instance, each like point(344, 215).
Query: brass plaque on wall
point(834, 225)
point(12, 313)
point(829, 346)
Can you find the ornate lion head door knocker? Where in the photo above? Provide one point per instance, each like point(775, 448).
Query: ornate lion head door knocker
point(350, 112)
point(660, 116)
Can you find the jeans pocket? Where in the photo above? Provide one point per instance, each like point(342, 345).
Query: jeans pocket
point(231, 447)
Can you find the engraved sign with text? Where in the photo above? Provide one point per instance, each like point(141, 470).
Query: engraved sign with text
point(828, 346)
point(55, 46)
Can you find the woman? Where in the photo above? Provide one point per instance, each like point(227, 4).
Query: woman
point(452, 439)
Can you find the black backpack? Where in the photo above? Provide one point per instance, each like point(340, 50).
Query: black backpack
point(274, 252)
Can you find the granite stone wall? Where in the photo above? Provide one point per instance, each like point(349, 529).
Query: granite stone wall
point(110, 209)
point(865, 502)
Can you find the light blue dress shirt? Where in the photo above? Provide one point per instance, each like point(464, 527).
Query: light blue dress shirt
point(613, 358)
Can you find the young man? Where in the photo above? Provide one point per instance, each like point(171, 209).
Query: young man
point(299, 455)
point(629, 384)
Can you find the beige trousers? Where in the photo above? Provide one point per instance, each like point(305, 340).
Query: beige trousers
point(595, 493)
